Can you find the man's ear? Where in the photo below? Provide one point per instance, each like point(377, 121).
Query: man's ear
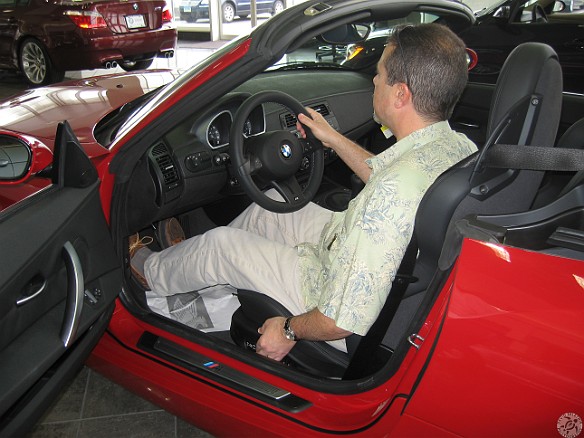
point(403, 95)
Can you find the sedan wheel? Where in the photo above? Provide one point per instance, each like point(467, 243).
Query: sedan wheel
point(36, 64)
point(228, 12)
point(136, 65)
point(278, 7)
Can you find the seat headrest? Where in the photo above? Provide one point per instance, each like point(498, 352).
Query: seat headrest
point(530, 69)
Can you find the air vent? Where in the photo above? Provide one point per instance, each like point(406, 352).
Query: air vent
point(322, 109)
point(166, 165)
point(289, 119)
point(159, 149)
point(165, 173)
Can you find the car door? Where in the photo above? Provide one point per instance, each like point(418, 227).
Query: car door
point(59, 277)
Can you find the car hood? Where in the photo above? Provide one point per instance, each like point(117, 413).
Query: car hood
point(82, 103)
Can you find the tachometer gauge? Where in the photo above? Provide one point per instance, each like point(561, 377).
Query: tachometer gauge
point(213, 136)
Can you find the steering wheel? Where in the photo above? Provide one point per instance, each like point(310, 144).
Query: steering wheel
point(275, 157)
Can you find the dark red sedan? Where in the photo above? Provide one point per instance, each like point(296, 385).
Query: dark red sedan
point(44, 39)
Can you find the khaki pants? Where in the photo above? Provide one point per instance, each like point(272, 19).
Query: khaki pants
point(256, 251)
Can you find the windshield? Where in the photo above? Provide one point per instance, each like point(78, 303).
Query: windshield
point(319, 52)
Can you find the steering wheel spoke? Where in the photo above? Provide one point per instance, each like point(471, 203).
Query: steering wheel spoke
point(290, 190)
point(310, 146)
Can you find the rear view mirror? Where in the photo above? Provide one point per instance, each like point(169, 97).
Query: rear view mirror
point(346, 34)
point(502, 12)
point(559, 6)
point(15, 158)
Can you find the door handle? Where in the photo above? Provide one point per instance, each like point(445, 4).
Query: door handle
point(34, 289)
point(75, 288)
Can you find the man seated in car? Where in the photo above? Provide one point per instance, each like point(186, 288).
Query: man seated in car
point(333, 271)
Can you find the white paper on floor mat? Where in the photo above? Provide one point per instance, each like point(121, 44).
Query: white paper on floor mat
point(207, 310)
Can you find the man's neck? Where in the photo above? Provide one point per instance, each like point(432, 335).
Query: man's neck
point(411, 124)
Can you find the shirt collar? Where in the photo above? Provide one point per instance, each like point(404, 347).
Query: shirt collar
point(413, 141)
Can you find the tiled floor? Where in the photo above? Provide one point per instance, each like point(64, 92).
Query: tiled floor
point(93, 406)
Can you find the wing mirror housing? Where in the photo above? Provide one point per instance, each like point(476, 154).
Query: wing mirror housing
point(20, 157)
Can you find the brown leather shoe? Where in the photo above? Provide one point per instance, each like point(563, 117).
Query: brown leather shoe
point(135, 243)
point(169, 233)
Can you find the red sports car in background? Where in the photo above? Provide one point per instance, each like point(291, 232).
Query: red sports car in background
point(488, 340)
point(44, 39)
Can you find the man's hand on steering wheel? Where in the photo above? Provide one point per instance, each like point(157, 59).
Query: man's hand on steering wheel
point(320, 128)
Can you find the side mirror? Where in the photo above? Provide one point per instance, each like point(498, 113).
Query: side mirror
point(21, 157)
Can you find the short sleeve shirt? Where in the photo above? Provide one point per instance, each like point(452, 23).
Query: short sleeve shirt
point(348, 274)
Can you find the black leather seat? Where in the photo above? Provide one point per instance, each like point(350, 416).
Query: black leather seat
point(525, 110)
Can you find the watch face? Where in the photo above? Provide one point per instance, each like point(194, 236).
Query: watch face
point(288, 332)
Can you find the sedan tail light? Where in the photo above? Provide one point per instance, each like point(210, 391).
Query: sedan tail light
point(86, 19)
point(166, 15)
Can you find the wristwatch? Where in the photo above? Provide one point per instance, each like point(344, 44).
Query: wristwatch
point(288, 332)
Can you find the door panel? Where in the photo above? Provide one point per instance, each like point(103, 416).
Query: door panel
point(59, 275)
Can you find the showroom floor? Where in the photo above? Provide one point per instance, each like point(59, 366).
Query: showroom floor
point(93, 406)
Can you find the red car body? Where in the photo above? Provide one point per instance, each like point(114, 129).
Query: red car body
point(497, 351)
point(490, 364)
point(61, 36)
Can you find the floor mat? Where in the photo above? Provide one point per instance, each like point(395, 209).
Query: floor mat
point(207, 310)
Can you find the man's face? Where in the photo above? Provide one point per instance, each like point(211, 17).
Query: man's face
point(382, 95)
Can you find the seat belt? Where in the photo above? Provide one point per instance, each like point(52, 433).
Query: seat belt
point(534, 158)
point(364, 361)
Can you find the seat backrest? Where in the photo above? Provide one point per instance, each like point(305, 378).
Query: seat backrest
point(525, 110)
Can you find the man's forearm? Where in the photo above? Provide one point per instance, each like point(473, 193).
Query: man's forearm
point(354, 156)
point(350, 152)
point(314, 326)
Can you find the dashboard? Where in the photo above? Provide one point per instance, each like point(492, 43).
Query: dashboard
point(191, 166)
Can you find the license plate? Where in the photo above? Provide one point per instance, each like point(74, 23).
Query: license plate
point(187, 8)
point(135, 21)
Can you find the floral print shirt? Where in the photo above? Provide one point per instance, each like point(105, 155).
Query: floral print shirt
point(348, 274)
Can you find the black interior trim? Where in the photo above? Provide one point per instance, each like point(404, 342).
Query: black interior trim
point(25, 413)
